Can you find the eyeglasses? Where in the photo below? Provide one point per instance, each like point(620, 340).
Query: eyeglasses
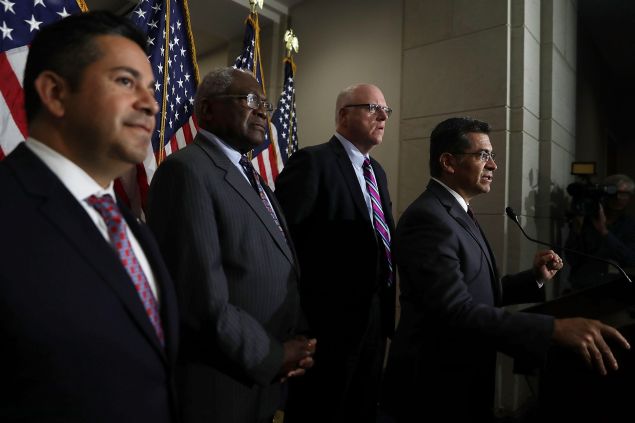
point(253, 100)
point(485, 156)
point(372, 108)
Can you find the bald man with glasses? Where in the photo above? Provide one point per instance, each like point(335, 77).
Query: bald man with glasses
point(443, 355)
point(335, 197)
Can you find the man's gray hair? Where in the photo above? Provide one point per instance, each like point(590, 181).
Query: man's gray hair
point(343, 98)
point(215, 83)
point(620, 179)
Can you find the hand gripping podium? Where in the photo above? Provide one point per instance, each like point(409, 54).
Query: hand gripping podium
point(568, 388)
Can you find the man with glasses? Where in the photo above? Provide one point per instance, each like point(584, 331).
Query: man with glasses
point(609, 234)
point(336, 200)
point(443, 356)
point(228, 249)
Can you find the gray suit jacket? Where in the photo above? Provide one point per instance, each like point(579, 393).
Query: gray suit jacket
point(236, 280)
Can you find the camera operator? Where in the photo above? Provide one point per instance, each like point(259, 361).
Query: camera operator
point(607, 232)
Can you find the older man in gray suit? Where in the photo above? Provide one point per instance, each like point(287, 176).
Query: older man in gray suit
point(227, 247)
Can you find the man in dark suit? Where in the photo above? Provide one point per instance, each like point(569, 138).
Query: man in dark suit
point(443, 355)
point(227, 246)
point(335, 197)
point(88, 316)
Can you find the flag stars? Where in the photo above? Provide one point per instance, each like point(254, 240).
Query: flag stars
point(6, 31)
point(157, 86)
point(160, 67)
point(187, 76)
point(140, 13)
point(180, 82)
point(178, 24)
point(183, 51)
point(63, 13)
point(33, 24)
point(153, 24)
point(36, 2)
point(151, 41)
point(8, 6)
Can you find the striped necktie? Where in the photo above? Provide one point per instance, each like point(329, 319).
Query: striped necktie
point(254, 179)
point(379, 221)
point(106, 207)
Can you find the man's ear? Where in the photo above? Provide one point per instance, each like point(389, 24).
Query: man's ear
point(53, 90)
point(448, 163)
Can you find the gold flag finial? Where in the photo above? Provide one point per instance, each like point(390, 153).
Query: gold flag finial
point(291, 42)
point(255, 3)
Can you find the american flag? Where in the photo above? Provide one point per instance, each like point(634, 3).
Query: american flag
point(266, 158)
point(20, 20)
point(166, 24)
point(285, 128)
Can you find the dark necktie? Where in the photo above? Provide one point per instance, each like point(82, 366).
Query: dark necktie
point(109, 211)
point(254, 179)
point(379, 221)
point(471, 214)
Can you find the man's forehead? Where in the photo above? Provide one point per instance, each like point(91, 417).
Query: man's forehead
point(244, 83)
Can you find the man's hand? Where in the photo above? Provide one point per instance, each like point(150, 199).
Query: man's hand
point(599, 222)
point(298, 356)
point(546, 265)
point(587, 338)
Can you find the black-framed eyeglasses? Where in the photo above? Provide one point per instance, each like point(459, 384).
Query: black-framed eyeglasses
point(372, 108)
point(485, 156)
point(253, 100)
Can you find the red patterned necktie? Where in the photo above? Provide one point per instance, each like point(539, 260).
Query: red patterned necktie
point(109, 211)
point(251, 173)
point(379, 221)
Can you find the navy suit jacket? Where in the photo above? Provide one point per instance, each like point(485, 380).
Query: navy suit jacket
point(77, 345)
point(236, 279)
point(341, 257)
point(443, 354)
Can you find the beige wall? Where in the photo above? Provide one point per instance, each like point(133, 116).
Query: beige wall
point(356, 41)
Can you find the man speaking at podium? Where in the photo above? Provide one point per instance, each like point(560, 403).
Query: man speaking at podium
point(443, 355)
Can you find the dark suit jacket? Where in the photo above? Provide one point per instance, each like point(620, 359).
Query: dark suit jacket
point(77, 345)
point(443, 355)
point(236, 282)
point(340, 255)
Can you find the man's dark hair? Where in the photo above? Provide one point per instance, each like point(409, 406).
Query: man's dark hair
point(450, 136)
point(67, 46)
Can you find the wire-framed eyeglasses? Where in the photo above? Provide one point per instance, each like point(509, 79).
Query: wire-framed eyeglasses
point(484, 155)
point(253, 100)
point(373, 108)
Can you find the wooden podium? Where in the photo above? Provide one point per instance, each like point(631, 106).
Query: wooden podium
point(571, 391)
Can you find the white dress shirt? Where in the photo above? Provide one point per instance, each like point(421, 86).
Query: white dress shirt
point(357, 158)
point(82, 186)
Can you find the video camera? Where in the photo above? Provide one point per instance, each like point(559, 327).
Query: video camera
point(586, 196)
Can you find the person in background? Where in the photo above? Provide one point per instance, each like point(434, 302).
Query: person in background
point(229, 251)
point(443, 355)
point(88, 310)
point(335, 197)
point(609, 234)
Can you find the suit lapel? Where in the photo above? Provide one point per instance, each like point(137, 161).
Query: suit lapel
point(348, 173)
point(167, 307)
point(457, 213)
point(240, 184)
point(61, 209)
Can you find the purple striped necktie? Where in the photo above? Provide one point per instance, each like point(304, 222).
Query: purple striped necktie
point(109, 211)
point(379, 221)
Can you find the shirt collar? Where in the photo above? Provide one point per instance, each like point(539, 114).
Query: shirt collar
point(356, 156)
point(232, 154)
point(74, 178)
point(455, 194)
